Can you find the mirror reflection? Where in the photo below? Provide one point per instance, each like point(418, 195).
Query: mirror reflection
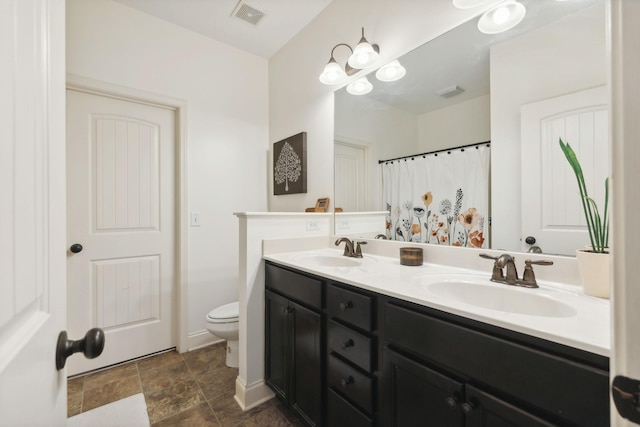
point(520, 90)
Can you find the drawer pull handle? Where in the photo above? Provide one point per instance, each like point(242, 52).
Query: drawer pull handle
point(346, 305)
point(467, 408)
point(347, 344)
point(452, 402)
point(349, 380)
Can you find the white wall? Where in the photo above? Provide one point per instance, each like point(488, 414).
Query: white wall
point(226, 92)
point(299, 102)
point(550, 69)
point(464, 123)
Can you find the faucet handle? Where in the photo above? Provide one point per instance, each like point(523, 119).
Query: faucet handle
point(497, 275)
point(528, 276)
point(358, 253)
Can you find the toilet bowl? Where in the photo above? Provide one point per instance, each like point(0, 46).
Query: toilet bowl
point(223, 323)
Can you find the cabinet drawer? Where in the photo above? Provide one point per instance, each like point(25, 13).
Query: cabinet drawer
point(561, 387)
point(349, 306)
point(356, 386)
point(342, 413)
point(304, 289)
point(351, 345)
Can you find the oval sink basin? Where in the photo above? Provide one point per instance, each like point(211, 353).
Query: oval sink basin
point(329, 261)
point(502, 298)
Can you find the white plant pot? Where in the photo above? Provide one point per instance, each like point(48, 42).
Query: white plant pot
point(594, 271)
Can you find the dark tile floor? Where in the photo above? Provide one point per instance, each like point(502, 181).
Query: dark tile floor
point(191, 389)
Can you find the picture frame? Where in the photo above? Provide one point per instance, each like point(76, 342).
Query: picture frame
point(290, 165)
point(322, 204)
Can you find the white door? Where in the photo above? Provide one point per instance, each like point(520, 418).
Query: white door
point(551, 208)
point(32, 224)
point(121, 210)
point(350, 183)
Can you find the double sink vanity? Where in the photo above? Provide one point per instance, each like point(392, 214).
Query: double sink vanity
point(370, 342)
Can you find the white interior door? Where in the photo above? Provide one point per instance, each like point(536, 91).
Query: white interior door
point(551, 207)
point(32, 227)
point(350, 182)
point(121, 209)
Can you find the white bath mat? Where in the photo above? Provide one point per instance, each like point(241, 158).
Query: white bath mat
point(128, 412)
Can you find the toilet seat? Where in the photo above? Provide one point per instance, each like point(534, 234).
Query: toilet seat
point(227, 313)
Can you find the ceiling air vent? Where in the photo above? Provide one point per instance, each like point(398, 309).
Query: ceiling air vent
point(450, 91)
point(247, 13)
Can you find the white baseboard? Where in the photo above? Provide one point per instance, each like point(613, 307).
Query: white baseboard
point(252, 395)
point(196, 340)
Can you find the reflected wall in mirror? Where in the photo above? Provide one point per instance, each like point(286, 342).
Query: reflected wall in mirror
point(522, 90)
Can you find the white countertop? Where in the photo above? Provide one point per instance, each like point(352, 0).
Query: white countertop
point(584, 325)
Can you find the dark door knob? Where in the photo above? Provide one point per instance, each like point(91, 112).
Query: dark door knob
point(530, 240)
point(91, 346)
point(467, 408)
point(75, 248)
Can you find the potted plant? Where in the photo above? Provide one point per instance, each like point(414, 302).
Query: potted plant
point(593, 263)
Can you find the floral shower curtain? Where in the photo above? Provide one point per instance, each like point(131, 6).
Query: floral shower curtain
point(440, 198)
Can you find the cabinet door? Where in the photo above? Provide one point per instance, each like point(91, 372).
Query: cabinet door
point(306, 394)
point(486, 410)
point(415, 395)
point(278, 350)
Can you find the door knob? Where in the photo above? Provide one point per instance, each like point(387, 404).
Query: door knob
point(75, 248)
point(91, 346)
point(530, 240)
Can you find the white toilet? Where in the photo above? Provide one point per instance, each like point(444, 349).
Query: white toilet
point(223, 322)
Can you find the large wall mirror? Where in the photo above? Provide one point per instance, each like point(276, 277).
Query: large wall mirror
point(519, 90)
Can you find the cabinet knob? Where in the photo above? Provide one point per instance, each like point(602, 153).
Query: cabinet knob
point(452, 402)
point(345, 305)
point(467, 408)
point(346, 381)
point(287, 310)
point(347, 344)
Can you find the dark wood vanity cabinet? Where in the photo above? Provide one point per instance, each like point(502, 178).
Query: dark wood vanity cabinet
point(463, 373)
point(342, 356)
point(294, 342)
point(351, 356)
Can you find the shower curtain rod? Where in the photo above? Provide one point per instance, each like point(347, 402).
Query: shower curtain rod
point(448, 150)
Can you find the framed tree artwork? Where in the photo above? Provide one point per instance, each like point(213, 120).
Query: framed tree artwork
point(290, 165)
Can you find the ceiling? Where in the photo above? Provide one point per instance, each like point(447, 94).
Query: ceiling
point(282, 20)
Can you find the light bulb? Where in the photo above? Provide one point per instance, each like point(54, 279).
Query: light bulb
point(362, 86)
point(391, 72)
point(332, 73)
point(502, 17)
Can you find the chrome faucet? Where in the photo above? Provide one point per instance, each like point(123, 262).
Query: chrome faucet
point(381, 236)
point(349, 249)
point(504, 271)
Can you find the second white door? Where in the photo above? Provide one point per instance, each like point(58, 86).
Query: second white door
point(121, 210)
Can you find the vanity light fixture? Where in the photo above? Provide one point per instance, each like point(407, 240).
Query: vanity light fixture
point(364, 55)
point(391, 72)
point(362, 86)
point(333, 73)
point(502, 17)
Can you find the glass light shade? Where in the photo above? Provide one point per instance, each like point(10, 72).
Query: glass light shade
point(363, 55)
point(391, 72)
point(333, 73)
point(503, 17)
point(468, 4)
point(362, 86)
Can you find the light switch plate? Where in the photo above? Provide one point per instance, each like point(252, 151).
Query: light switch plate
point(195, 219)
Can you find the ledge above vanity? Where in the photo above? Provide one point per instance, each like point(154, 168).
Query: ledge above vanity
point(558, 311)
